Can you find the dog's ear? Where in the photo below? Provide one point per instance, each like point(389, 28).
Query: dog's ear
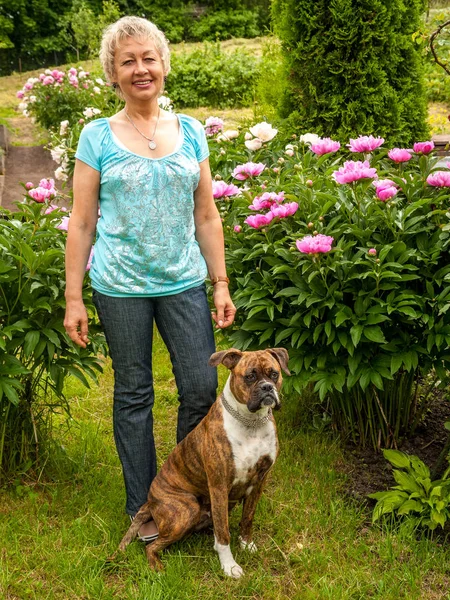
point(282, 356)
point(229, 358)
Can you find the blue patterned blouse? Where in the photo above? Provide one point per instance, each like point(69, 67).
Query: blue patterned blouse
point(145, 244)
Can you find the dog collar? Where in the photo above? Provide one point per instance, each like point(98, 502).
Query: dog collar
point(252, 422)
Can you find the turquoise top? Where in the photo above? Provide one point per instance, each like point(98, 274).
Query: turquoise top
point(145, 244)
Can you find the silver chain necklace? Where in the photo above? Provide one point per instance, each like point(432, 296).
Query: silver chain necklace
point(250, 422)
point(151, 140)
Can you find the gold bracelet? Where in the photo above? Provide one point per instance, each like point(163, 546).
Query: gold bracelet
point(215, 280)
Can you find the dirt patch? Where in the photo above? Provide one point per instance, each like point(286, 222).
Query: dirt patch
point(368, 470)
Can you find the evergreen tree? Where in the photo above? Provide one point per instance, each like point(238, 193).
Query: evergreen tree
point(353, 67)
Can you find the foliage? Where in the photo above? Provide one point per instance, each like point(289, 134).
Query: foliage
point(353, 67)
point(211, 77)
point(363, 321)
point(424, 503)
point(224, 24)
point(437, 81)
point(36, 355)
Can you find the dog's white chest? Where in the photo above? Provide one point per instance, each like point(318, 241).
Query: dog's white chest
point(249, 446)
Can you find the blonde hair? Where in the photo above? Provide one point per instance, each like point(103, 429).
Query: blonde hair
point(135, 27)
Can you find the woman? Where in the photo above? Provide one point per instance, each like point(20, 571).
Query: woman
point(158, 237)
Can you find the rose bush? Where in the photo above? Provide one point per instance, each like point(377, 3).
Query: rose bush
point(355, 281)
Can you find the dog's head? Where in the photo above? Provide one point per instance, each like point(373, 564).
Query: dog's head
point(255, 376)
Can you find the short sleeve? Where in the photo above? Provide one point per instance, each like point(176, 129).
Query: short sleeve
point(89, 145)
point(201, 150)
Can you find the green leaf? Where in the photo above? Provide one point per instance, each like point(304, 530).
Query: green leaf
point(374, 334)
point(410, 505)
point(406, 482)
point(31, 340)
point(397, 459)
point(356, 332)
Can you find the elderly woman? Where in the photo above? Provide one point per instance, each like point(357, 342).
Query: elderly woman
point(158, 237)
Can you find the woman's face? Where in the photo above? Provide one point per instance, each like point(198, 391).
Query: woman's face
point(139, 70)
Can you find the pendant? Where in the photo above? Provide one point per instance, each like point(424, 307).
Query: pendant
point(151, 145)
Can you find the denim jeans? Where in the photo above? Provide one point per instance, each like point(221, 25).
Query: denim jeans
point(184, 322)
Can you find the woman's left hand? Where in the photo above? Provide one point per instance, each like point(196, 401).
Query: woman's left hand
point(225, 309)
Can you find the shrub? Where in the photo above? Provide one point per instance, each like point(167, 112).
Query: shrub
point(415, 498)
point(353, 68)
point(366, 320)
point(225, 24)
point(211, 77)
point(35, 353)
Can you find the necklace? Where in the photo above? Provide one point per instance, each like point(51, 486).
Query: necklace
point(251, 422)
point(151, 140)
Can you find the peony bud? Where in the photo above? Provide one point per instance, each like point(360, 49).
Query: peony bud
point(310, 225)
point(372, 252)
point(217, 177)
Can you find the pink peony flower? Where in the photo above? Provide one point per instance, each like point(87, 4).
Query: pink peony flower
point(72, 71)
point(284, 210)
point(221, 189)
point(40, 194)
point(91, 256)
point(267, 200)
point(237, 228)
point(372, 252)
point(20, 94)
point(312, 244)
point(325, 146)
point(48, 80)
point(247, 170)
point(64, 225)
point(50, 209)
point(29, 185)
point(399, 155)
point(385, 189)
point(213, 125)
point(48, 184)
point(353, 171)
point(365, 143)
point(439, 179)
point(257, 221)
point(423, 147)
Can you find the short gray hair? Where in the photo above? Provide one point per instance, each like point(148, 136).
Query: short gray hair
point(135, 27)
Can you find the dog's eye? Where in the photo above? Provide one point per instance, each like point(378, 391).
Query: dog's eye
point(250, 377)
point(274, 376)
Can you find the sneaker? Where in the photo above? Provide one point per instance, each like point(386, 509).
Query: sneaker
point(148, 532)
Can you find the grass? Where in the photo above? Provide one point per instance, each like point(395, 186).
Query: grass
point(314, 541)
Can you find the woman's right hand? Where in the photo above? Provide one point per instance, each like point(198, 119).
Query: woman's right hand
point(76, 322)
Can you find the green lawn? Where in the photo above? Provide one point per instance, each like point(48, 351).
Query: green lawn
point(314, 542)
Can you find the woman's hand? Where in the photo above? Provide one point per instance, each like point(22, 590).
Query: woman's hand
point(76, 322)
point(225, 309)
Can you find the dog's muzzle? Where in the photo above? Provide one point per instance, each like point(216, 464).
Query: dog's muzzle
point(264, 394)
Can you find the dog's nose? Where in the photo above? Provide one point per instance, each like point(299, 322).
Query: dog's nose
point(267, 387)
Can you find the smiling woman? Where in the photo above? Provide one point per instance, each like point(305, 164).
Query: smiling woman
point(150, 260)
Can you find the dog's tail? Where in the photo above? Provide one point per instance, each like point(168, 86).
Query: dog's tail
point(141, 517)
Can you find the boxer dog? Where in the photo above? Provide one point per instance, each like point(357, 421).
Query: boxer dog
point(223, 461)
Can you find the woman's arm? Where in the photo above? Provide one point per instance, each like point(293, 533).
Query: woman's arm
point(209, 235)
point(83, 220)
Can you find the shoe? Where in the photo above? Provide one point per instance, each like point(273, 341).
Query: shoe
point(148, 532)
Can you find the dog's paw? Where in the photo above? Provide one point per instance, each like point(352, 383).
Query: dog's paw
point(249, 546)
point(232, 569)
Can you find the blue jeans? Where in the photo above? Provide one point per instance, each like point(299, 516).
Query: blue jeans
point(184, 322)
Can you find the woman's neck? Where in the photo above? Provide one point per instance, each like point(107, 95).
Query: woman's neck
point(143, 111)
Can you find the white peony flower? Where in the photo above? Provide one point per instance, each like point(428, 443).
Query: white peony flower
point(99, 80)
point(165, 103)
point(32, 99)
point(96, 90)
point(230, 134)
point(264, 131)
point(63, 127)
point(309, 138)
point(61, 175)
point(57, 153)
point(248, 136)
point(90, 112)
point(23, 106)
point(254, 144)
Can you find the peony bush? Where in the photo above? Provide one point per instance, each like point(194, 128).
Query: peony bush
point(36, 354)
point(338, 251)
point(340, 254)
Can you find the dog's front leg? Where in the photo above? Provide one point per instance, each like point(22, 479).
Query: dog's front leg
point(248, 514)
point(219, 512)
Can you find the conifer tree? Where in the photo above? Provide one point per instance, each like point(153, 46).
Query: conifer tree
point(352, 67)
